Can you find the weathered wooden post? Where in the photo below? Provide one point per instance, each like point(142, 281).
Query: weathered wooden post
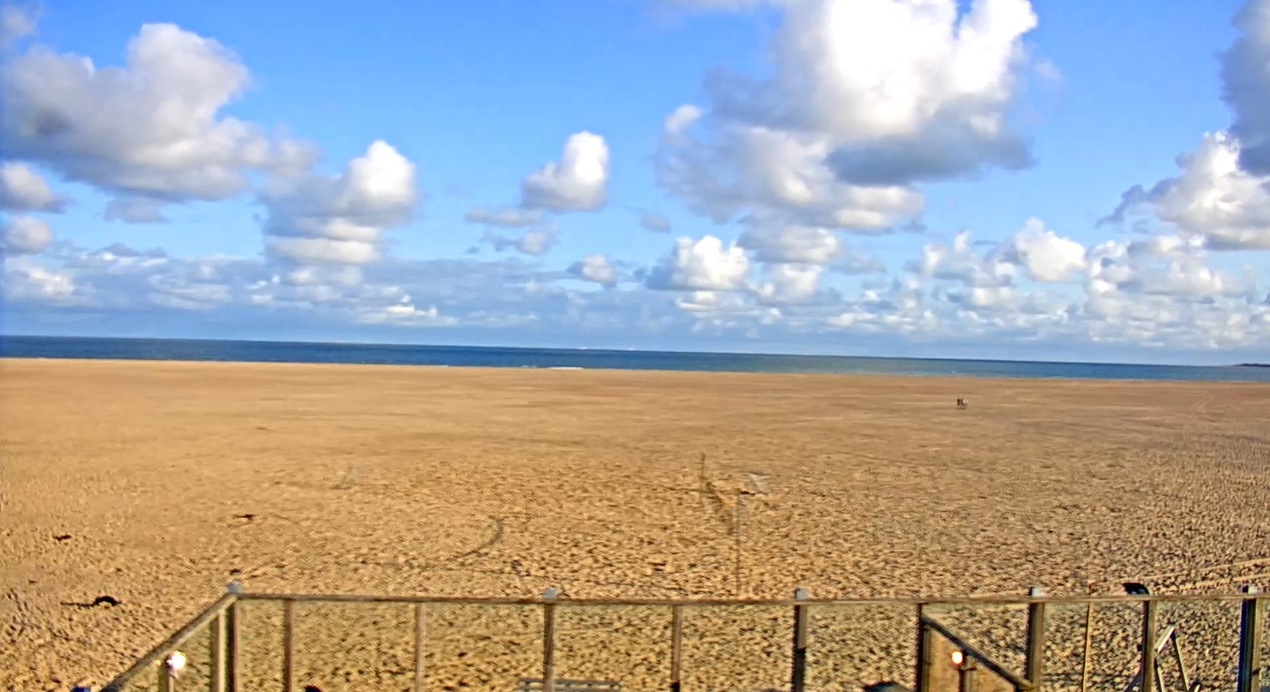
point(798, 675)
point(288, 645)
point(420, 646)
point(1250, 642)
point(232, 624)
point(1089, 641)
point(925, 647)
point(1035, 665)
point(549, 640)
point(1148, 646)
point(676, 647)
point(967, 672)
point(219, 657)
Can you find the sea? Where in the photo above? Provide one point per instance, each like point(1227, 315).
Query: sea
point(578, 359)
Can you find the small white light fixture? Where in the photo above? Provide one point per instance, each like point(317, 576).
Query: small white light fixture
point(175, 662)
point(958, 658)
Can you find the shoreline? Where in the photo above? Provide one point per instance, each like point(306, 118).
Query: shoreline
point(655, 372)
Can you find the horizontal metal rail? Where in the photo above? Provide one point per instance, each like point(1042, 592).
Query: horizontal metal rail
point(201, 620)
point(781, 602)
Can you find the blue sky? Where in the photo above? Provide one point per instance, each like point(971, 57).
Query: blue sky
point(319, 171)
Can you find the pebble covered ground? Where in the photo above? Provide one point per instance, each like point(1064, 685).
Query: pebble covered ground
point(152, 485)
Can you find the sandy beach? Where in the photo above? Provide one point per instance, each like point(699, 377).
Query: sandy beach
point(156, 484)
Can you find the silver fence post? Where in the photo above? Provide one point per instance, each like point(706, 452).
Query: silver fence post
point(798, 676)
point(1249, 642)
point(1148, 646)
point(1035, 666)
point(549, 640)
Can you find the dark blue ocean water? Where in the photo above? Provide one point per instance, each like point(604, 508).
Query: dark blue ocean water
point(468, 356)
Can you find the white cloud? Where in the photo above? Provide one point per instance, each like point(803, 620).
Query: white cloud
point(15, 23)
point(962, 264)
point(789, 284)
point(595, 268)
point(867, 98)
point(578, 182)
point(1213, 198)
point(152, 128)
point(134, 210)
point(22, 189)
point(1046, 256)
point(533, 243)
point(1246, 85)
point(791, 244)
point(512, 217)
point(652, 221)
point(703, 265)
point(340, 220)
point(25, 235)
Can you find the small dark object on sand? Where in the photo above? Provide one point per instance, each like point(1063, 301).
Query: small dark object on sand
point(1133, 588)
point(62, 537)
point(247, 516)
point(312, 688)
point(962, 403)
point(105, 600)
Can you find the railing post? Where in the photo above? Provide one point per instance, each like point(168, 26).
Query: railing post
point(966, 681)
point(924, 651)
point(1148, 647)
point(232, 623)
point(549, 640)
point(288, 645)
point(420, 647)
point(676, 647)
point(1035, 665)
point(218, 653)
point(1250, 642)
point(798, 676)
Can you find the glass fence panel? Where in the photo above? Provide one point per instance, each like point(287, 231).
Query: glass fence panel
point(854, 647)
point(737, 648)
point(482, 647)
point(628, 645)
point(351, 647)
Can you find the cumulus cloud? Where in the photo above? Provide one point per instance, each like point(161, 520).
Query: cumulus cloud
point(150, 129)
point(134, 210)
point(533, 243)
point(22, 189)
point(701, 265)
point(791, 244)
point(1246, 85)
point(577, 182)
point(866, 100)
point(595, 268)
point(512, 217)
point(1212, 198)
point(25, 235)
point(15, 23)
point(1045, 255)
point(652, 221)
point(789, 284)
point(316, 219)
point(1220, 193)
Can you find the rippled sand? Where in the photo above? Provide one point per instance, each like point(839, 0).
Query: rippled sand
point(165, 481)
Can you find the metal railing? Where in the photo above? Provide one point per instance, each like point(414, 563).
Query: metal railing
point(944, 655)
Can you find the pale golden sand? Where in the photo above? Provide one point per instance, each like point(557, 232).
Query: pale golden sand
point(504, 482)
